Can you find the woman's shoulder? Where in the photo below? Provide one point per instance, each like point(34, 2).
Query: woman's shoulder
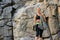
point(34, 15)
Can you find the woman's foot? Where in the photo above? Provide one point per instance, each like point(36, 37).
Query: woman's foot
point(40, 39)
point(36, 38)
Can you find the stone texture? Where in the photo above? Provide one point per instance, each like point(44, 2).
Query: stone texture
point(16, 6)
point(4, 22)
point(53, 25)
point(48, 39)
point(0, 10)
point(6, 1)
point(17, 38)
point(53, 10)
point(58, 35)
point(7, 31)
point(16, 1)
point(22, 23)
point(55, 37)
point(55, 1)
point(26, 38)
point(58, 2)
point(46, 33)
point(7, 12)
point(9, 23)
point(24, 20)
point(1, 22)
point(1, 33)
point(1, 17)
point(7, 38)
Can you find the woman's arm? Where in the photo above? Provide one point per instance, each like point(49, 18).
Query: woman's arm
point(34, 19)
point(44, 17)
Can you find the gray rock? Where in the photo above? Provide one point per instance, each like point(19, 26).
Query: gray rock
point(55, 1)
point(9, 23)
point(59, 33)
point(6, 1)
point(53, 25)
point(58, 2)
point(1, 32)
point(26, 38)
point(23, 22)
point(46, 33)
point(50, 2)
point(7, 27)
point(7, 38)
point(16, 38)
point(16, 6)
point(16, 1)
point(3, 5)
point(7, 12)
point(23, 19)
point(7, 9)
point(47, 39)
point(30, 11)
point(55, 37)
point(0, 11)
point(1, 22)
point(1, 17)
point(21, 1)
point(7, 31)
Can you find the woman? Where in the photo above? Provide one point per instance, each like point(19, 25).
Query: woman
point(37, 18)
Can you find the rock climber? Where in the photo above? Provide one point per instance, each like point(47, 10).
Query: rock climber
point(37, 20)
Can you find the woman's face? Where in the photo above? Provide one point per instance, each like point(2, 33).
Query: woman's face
point(38, 0)
point(38, 10)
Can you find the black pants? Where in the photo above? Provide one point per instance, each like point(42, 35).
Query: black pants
point(38, 31)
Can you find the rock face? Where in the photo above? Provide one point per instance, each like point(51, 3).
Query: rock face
point(23, 21)
point(16, 19)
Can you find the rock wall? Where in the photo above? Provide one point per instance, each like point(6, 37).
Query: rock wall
point(16, 19)
point(7, 10)
point(5, 20)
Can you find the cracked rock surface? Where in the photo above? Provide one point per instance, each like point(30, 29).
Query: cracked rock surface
point(16, 19)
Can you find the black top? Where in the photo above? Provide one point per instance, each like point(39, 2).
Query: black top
point(37, 17)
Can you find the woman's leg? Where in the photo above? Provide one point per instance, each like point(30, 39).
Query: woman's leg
point(40, 33)
point(37, 33)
